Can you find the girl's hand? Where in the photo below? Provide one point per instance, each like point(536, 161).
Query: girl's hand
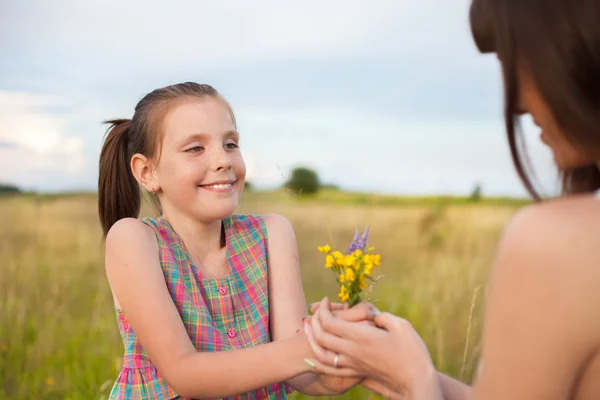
point(373, 351)
point(338, 385)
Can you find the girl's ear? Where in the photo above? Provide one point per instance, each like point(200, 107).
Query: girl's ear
point(143, 171)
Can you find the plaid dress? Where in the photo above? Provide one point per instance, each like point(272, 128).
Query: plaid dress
point(220, 314)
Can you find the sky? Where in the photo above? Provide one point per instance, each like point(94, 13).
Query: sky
point(387, 96)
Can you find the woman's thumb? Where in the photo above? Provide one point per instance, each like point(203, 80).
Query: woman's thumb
point(385, 320)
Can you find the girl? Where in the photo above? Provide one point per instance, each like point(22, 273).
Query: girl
point(541, 336)
point(209, 304)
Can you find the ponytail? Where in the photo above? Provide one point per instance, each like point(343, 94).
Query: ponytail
point(118, 191)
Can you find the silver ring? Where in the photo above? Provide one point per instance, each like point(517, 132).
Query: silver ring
point(336, 359)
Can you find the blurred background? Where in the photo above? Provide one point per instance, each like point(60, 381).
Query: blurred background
point(353, 112)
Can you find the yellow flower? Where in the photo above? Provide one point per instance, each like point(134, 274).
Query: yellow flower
point(3, 347)
point(377, 259)
point(350, 275)
point(325, 249)
point(352, 270)
point(49, 381)
point(343, 294)
point(363, 283)
point(329, 261)
point(349, 260)
point(338, 256)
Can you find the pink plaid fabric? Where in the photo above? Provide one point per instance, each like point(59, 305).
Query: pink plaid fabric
point(222, 314)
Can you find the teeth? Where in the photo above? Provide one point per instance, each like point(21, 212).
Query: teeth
point(220, 186)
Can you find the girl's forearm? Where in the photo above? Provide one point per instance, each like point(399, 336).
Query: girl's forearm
point(230, 373)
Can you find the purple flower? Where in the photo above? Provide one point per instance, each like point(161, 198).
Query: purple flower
point(359, 242)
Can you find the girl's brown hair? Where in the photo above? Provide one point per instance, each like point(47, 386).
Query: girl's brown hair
point(559, 43)
point(119, 194)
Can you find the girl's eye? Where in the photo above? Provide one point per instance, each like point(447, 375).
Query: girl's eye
point(195, 149)
point(231, 146)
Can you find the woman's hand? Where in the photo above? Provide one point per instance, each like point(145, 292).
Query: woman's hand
point(346, 378)
point(392, 353)
point(378, 387)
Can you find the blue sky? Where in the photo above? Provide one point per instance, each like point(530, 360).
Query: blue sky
point(388, 96)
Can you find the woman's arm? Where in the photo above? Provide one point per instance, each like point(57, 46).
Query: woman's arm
point(453, 389)
point(136, 278)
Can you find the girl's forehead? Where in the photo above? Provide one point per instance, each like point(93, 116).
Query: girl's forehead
point(207, 117)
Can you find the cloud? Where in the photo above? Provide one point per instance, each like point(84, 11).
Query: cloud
point(5, 144)
point(212, 29)
point(39, 152)
point(137, 38)
point(398, 55)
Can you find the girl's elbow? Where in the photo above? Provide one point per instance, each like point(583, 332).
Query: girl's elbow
point(184, 389)
point(178, 382)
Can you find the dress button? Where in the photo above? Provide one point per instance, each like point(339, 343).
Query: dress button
point(223, 290)
point(231, 333)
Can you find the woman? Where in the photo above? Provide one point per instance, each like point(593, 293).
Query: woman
point(542, 323)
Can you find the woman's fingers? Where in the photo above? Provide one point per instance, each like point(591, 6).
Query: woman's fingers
point(338, 327)
point(360, 312)
point(325, 339)
point(334, 306)
point(321, 353)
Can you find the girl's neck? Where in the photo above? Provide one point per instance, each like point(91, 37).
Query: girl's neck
point(202, 239)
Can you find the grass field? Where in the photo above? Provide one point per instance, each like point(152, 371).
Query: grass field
point(58, 334)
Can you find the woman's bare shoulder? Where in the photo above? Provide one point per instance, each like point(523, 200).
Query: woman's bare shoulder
point(543, 300)
point(557, 241)
point(566, 227)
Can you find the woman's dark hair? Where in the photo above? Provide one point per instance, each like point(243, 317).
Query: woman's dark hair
point(119, 194)
point(558, 41)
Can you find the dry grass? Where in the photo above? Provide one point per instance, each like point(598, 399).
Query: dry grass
point(58, 335)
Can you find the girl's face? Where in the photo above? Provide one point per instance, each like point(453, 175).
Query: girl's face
point(200, 171)
point(566, 155)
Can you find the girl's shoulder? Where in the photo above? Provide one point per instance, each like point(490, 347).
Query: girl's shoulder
point(267, 224)
point(128, 231)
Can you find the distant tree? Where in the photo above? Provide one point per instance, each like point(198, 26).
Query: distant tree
point(248, 186)
point(303, 181)
point(476, 193)
point(8, 189)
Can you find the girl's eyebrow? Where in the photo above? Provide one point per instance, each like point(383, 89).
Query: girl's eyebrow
point(201, 135)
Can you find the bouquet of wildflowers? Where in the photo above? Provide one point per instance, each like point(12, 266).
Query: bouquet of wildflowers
point(353, 268)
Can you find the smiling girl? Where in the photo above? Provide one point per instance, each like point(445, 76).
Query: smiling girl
point(209, 303)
